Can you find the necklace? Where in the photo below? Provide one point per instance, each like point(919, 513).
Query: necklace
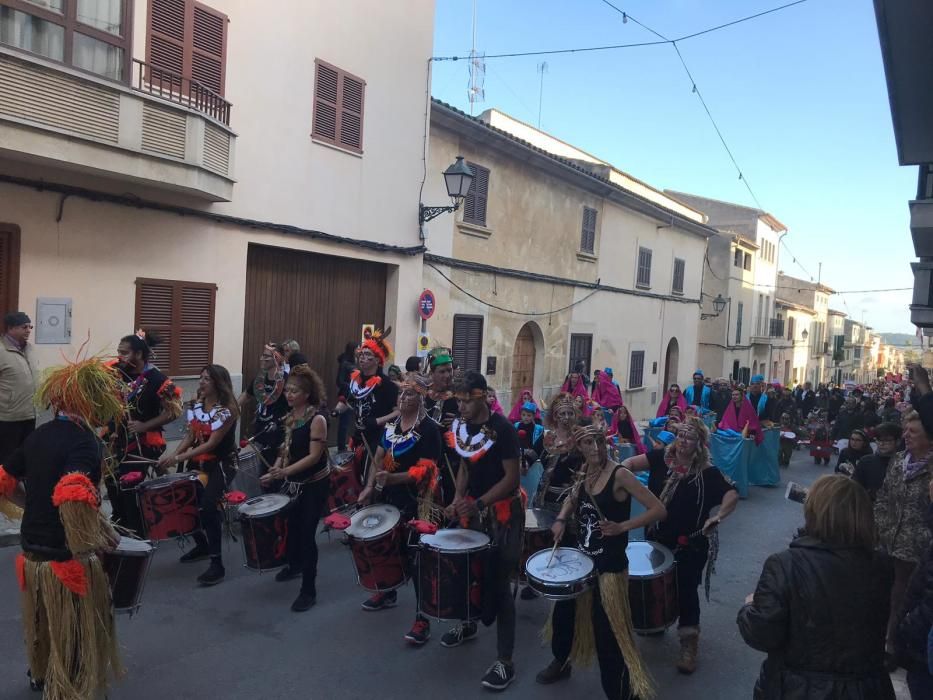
point(264, 396)
point(470, 447)
point(361, 387)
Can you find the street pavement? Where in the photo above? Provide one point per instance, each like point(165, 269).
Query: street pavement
point(239, 640)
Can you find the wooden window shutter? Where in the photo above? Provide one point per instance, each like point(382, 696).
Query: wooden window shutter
point(338, 107)
point(468, 341)
point(208, 47)
point(189, 39)
point(182, 314)
point(351, 113)
point(588, 235)
point(474, 206)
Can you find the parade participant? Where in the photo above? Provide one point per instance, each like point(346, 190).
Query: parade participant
point(673, 398)
point(601, 622)
point(487, 499)
point(68, 619)
point(151, 401)
point(654, 461)
point(740, 416)
point(395, 374)
point(698, 394)
point(849, 456)
point(871, 470)
point(493, 400)
point(623, 427)
point(720, 398)
point(758, 396)
point(805, 398)
point(373, 397)
point(900, 511)
point(561, 458)
point(820, 607)
point(346, 361)
point(532, 441)
point(787, 443)
point(302, 465)
point(573, 385)
point(268, 391)
point(526, 396)
point(17, 383)
point(289, 349)
point(674, 418)
point(690, 487)
point(441, 407)
point(784, 404)
point(606, 393)
point(209, 448)
point(407, 478)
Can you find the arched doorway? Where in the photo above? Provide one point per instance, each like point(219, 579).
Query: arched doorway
point(523, 360)
point(671, 360)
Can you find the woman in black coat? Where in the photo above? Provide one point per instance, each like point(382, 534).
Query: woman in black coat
point(821, 607)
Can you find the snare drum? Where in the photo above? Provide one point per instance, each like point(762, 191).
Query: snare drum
point(652, 586)
point(129, 500)
point(249, 469)
point(570, 574)
point(537, 535)
point(264, 524)
point(451, 568)
point(127, 568)
point(375, 535)
point(169, 506)
point(345, 487)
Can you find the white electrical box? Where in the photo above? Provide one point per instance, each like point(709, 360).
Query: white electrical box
point(53, 321)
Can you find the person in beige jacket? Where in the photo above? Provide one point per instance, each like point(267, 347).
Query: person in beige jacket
point(17, 384)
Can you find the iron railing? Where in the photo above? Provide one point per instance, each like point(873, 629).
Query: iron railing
point(187, 92)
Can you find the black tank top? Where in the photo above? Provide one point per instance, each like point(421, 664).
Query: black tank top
point(608, 552)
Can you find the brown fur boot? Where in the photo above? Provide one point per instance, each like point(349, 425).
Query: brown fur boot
point(689, 641)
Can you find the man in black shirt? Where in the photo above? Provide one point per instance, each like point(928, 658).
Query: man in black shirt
point(267, 390)
point(487, 499)
point(442, 409)
point(871, 469)
point(720, 397)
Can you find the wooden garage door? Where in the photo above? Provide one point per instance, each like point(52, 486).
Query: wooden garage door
point(9, 268)
point(319, 300)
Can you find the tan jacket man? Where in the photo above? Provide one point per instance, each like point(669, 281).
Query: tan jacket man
point(17, 384)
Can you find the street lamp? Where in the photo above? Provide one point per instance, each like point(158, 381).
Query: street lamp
point(805, 334)
point(719, 305)
point(458, 178)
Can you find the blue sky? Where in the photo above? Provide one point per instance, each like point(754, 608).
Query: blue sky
point(799, 95)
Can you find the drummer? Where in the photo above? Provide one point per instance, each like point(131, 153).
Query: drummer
point(487, 499)
point(406, 477)
point(441, 407)
point(268, 391)
point(690, 487)
point(601, 503)
point(560, 458)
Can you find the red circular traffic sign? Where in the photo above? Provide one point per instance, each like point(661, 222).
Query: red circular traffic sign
point(427, 304)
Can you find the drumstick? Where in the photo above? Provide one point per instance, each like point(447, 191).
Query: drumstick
point(553, 550)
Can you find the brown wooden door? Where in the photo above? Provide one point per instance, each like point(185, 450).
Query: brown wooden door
point(9, 268)
point(319, 300)
point(671, 361)
point(523, 362)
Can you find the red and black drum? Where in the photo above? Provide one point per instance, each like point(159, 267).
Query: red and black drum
point(652, 586)
point(129, 497)
point(376, 543)
point(127, 568)
point(345, 486)
point(169, 506)
point(451, 569)
point(537, 535)
point(264, 524)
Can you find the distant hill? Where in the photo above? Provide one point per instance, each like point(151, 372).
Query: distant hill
point(900, 339)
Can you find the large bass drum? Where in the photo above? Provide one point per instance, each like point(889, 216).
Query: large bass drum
point(652, 586)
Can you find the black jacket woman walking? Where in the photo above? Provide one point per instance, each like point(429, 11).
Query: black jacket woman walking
point(821, 606)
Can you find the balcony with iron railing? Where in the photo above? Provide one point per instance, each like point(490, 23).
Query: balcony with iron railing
point(161, 130)
point(775, 333)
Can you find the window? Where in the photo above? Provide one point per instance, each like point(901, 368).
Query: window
point(182, 314)
point(735, 370)
point(338, 107)
point(91, 35)
point(189, 41)
point(474, 206)
point(737, 260)
point(581, 350)
point(857, 353)
point(588, 235)
point(468, 341)
point(643, 279)
point(761, 317)
point(747, 264)
point(791, 327)
point(738, 323)
point(678, 285)
point(636, 370)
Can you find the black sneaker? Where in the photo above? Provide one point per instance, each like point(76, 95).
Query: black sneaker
point(215, 574)
point(199, 553)
point(420, 632)
point(287, 573)
point(456, 636)
point(380, 601)
point(555, 671)
point(304, 601)
point(499, 676)
point(528, 593)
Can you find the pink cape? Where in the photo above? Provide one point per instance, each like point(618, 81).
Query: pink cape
point(496, 407)
point(731, 421)
point(515, 414)
point(605, 393)
point(578, 390)
point(637, 441)
point(665, 405)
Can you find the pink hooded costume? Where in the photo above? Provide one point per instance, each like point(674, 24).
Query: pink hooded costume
point(578, 390)
point(732, 420)
point(665, 406)
point(605, 393)
point(636, 436)
point(515, 414)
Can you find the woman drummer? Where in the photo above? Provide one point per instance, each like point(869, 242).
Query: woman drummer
point(600, 503)
point(303, 461)
point(209, 447)
point(407, 478)
point(560, 458)
point(690, 487)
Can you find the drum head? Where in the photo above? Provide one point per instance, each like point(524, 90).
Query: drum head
point(648, 558)
point(132, 547)
point(167, 480)
point(539, 519)
point(788, 434)
point(263, 505)
point(567, 566)
point(456, 540)
point(373, 521)
point(247, 454)
point(343, 458)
